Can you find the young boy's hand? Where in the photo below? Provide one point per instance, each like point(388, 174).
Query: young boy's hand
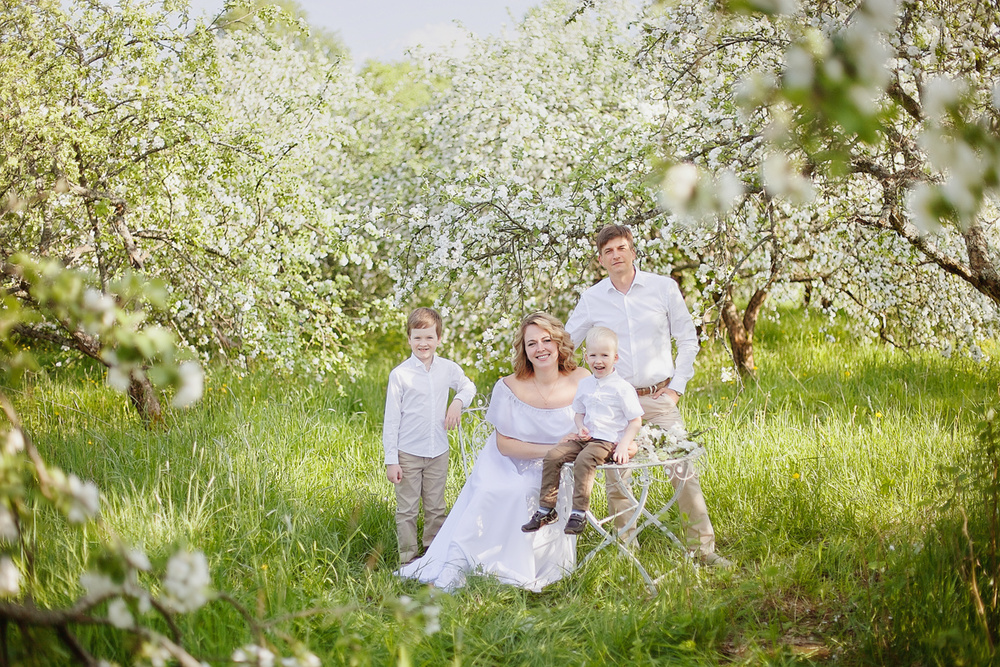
point(454, 415)
point(394, 473)
point(621, 455)
point(584, 433)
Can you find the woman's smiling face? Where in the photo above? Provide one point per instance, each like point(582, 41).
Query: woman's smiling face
point(539, 347)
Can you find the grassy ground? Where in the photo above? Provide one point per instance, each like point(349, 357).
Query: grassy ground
point(822, 482)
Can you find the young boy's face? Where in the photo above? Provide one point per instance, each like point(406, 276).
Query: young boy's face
point(601, 358)
point(423, 343)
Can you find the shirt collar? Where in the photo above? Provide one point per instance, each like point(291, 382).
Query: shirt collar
point(613, 375)
point(640, 280)
point(413, 361)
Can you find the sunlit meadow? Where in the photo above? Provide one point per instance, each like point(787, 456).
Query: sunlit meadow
point(822, 481)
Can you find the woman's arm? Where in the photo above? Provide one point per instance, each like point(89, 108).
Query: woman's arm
point(519, 449)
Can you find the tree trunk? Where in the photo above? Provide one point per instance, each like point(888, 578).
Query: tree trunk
point(145, 401)
point(740, 330)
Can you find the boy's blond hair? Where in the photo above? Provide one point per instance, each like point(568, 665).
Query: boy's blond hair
point(424, 318)
point(602, 334)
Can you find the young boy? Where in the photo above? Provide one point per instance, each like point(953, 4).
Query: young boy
point(608, 416)
point(417, 412)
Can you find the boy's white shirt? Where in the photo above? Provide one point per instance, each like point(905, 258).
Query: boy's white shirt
point(607, 404)
point(416, 403)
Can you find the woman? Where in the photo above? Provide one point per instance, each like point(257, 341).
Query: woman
point(531, 411)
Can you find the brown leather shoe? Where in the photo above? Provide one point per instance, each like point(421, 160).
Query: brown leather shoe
point(539, 519)
point(576, 524)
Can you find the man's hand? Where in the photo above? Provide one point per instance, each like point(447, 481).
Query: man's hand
point(674, 396)
point(454, 415)
point(394, 473)
point(622, 455)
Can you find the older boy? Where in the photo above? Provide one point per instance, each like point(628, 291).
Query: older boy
point(417, 414)
point(608, 416)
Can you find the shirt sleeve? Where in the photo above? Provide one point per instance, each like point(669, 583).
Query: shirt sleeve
point(393, 414)
point(578, 404)
point(630, 402)
point(465, 389)
point(579, 322)
point(684, 334)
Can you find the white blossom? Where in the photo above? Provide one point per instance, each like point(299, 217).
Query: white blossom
point(98, 584)
point(679, 185)
point(81, 501)
point(192, 384)
point(252, 654)
point(118, 378)
point(8, 525)
point(14, 442)
point(301, 659)
point(798, 72)
point(119, 614)
point(10, 578)
point(155, 654)
point(187, 581)
point(139, 560)
point(939, 93)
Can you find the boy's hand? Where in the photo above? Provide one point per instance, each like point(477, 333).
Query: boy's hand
point(394, 473)
point(621, 455)
point(584, 433)
point(454, 415)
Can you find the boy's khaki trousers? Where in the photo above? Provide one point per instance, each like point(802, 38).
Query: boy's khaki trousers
point(424, 479)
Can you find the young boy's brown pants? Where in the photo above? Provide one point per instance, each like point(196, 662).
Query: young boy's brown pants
point(586, 456)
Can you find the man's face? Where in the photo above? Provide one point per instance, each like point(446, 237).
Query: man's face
point(423, 343)
point(601, 358)
point(617, 257)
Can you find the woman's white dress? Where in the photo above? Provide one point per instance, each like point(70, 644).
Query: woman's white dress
point(482, 534)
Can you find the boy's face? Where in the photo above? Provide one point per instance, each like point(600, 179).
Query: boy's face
point(601, 358)
point(423, 343)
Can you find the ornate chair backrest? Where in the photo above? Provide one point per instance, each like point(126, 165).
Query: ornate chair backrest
point(472, 435)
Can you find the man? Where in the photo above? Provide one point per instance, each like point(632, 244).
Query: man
point(647, 310)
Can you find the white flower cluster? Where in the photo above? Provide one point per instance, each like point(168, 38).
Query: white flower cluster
point(79, 500)
point(658, 444)
point(426, 612)
point(260, 656)
point(187, 581)
point(10, 578)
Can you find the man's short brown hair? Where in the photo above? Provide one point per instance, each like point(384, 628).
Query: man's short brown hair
point(611, 232)
point(424, 318)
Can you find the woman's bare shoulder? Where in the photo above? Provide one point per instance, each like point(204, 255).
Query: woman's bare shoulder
point(579, 373)
point(516, 385)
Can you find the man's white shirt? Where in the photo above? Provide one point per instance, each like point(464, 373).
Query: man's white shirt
point(416, 403)
point(645, 319)
point(607, 404)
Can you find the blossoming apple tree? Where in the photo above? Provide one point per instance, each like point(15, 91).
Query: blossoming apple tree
point(568, 124)
point(138, 140)
point(535, 140)
point(867, 133)
point(120, 589)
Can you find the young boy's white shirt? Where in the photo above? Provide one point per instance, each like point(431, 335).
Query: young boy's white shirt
point(416, 403)
point(607, 404)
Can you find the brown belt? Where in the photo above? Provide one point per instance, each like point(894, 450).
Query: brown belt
point(646, 391)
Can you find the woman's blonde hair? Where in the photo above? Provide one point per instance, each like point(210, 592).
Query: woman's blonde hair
point(554, 328)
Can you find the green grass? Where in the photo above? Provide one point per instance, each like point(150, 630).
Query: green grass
point(821, 481)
